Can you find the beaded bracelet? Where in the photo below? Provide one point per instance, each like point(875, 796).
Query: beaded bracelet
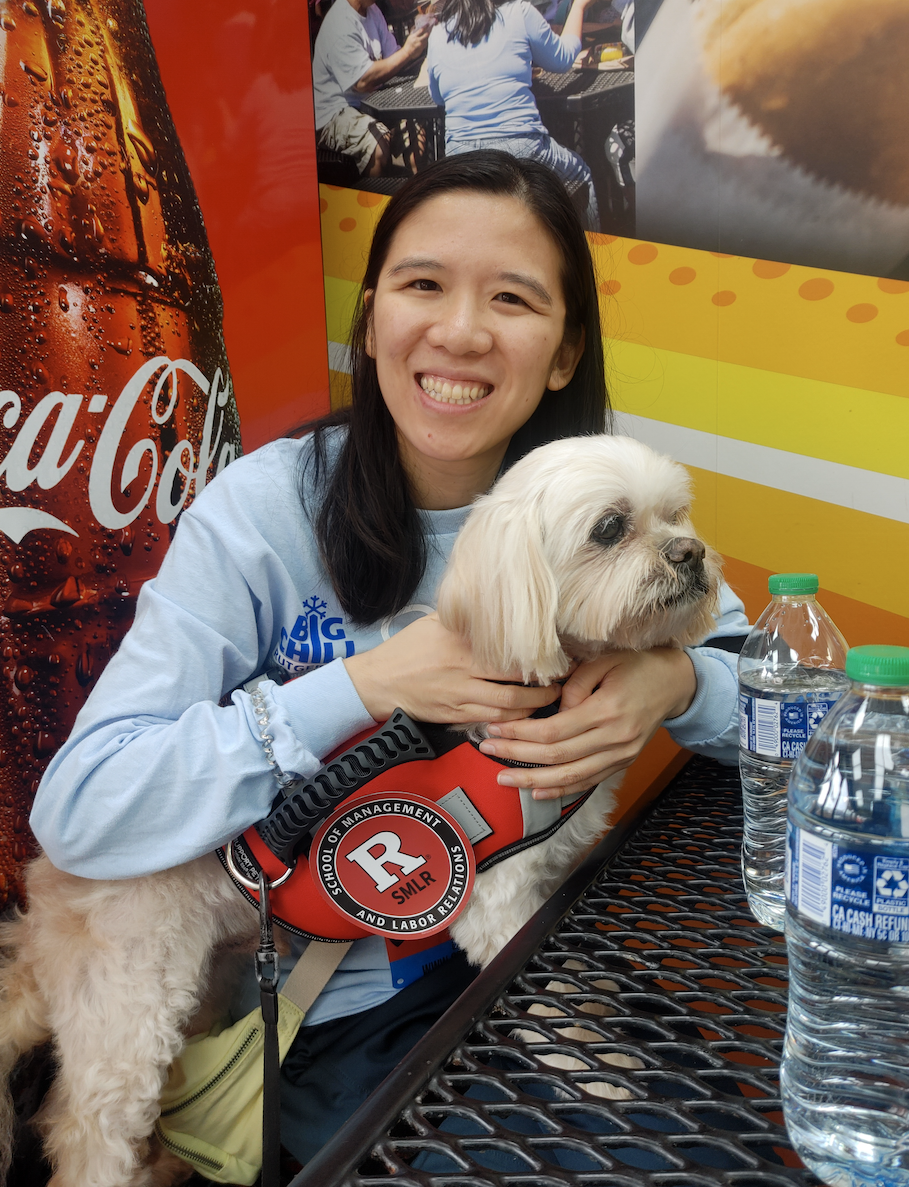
point(261, 711)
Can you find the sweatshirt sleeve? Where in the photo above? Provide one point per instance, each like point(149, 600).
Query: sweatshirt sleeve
point(157, 770)
point(548, 49)
point(710, 725)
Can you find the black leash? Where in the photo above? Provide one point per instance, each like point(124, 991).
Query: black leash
point(267, 970)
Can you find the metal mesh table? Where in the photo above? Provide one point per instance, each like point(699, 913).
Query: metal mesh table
point(634, 1041)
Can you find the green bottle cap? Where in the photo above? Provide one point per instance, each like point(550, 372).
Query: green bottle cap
point(792, 584)
point(878, 664)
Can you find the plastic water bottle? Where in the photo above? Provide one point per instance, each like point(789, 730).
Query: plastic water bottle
point(845, 1073)
point(790, 675)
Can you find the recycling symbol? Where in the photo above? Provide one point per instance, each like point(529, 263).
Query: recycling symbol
point(892, 884)
point(816, 715)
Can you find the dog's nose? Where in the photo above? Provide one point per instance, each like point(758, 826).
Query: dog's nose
point(684, 550)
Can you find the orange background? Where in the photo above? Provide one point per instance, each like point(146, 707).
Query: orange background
point(238, 82)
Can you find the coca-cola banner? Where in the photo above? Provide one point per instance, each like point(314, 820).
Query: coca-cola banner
point(116, 396)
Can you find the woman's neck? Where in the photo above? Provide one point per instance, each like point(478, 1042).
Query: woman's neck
point(441, 485)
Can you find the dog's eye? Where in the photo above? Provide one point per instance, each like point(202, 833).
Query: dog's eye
point(609, 530)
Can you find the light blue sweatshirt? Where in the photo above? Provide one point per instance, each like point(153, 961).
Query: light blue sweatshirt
point(485, 88)
point(157, 772)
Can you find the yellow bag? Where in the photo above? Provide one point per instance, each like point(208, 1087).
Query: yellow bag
point(211, 1106)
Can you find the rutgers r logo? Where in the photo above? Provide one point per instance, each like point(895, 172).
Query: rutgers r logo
point(395, 865)
point(374, 864)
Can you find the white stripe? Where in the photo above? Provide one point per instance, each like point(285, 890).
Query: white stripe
point(339, 357)
point(814, 478)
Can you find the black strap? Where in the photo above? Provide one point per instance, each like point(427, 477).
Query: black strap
point(287, 830)
point(267, 971)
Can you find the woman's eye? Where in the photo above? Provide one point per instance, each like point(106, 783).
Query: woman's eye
point(510, 299)
point(424, 285)
point(609, 530)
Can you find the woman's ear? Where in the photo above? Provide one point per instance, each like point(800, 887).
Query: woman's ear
point(370, 333)
point(566, 362)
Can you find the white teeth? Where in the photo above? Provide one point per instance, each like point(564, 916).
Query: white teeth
point(453, 393)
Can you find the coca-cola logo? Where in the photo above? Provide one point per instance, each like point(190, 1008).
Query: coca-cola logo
point(182, 471)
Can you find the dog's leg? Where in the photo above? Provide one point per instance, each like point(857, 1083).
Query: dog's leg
point(23, 1025)
point(117, 1033)
point(504, 897)
point(124, 984)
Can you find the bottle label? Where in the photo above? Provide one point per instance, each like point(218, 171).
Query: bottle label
point(856, 890)
point(780, 729)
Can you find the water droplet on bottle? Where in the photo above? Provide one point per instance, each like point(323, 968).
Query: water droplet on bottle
point(30, 8)
point(141, 185)
point(85, 668)
point(45, 743)
point(7, 303)
point(64, 157)
point(10, 100)
point(143, 146)
point(123, 346)
point(64, 550)
point(57, 11)
point(31, 69)
point(24, 676)
point(17, 572)
point(30, 228)
point(40, 374)
point(66, 98)
point(63, 299)
point(31, 267)
point(7, 23)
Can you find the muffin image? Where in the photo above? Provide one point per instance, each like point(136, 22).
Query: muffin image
point(777, 129)
point(826, 80)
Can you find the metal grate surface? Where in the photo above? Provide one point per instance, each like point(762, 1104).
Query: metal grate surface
point(639, 1044)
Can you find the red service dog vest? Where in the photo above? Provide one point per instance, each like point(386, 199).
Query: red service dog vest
point(385, 839)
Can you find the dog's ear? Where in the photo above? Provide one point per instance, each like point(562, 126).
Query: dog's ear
point(500, 593)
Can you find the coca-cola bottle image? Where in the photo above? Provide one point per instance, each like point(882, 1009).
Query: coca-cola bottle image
point(115, 394)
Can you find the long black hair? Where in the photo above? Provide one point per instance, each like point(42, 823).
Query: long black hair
point(467, 21)
point(368, 529)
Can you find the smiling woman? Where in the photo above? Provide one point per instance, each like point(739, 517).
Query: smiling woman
point(279, 614)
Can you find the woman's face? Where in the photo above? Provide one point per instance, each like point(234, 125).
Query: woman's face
point(467, 331)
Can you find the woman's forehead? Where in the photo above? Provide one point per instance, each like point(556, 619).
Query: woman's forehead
point(469, 229)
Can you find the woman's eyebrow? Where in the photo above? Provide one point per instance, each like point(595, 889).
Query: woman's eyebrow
point(528, 282)
point(414, 262)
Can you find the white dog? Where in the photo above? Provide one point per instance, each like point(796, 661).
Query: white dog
point(584, 545)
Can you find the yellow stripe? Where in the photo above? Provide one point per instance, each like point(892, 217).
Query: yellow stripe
point(858, 555)
point(866, 429)
point(340, 305)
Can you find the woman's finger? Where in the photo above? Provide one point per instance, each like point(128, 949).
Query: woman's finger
point(558, 752)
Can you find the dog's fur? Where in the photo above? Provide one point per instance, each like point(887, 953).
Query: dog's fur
point(584, 545)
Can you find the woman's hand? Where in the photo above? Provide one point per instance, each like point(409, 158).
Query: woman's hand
point(429, 673)
point(611, 708)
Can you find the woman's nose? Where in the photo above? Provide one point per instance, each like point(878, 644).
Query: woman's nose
point(461, 328)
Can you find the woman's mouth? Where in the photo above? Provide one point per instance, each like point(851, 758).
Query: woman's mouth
point(448, 391)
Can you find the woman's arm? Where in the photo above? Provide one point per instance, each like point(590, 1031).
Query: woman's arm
point(156, 771)
point(612, 706)
point(550, 50)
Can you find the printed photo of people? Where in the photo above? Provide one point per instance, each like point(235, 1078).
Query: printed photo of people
point(777, 129)
point(400, 83)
